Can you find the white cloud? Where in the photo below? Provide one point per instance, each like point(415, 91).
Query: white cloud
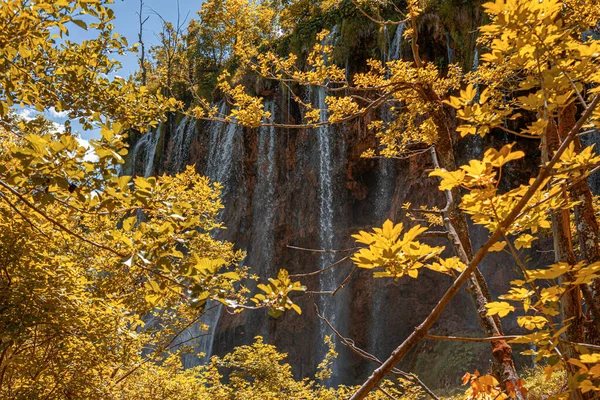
point(57, 114)
point(90, 154)
point(27, 114)
point(58, 128)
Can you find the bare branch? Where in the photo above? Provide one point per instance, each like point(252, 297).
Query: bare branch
point(321, 250)
point(320, 270)
point(370, 357)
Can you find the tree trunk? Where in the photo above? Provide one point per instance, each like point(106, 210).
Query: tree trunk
point(563, 248)
point(455, 222)
point(587, 230)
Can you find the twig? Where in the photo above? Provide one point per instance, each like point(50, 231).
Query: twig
point(385, 392)
point(435, 234)
point(345, 281)
point(471, 339)
point(370, 357)
point(320, 270)
point(321, 250)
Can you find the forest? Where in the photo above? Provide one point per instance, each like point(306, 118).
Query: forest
point(301, 200)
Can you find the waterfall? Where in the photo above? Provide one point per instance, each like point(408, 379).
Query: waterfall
point(384, 189)
point(144, 153)
point(151, 151)
point(262, 242)
point(385, 48)
point(201, 340)
point(475, 142)
point(263, 199)
point(220, 157)
point(475, 68)
point(180, 145)
point(449, 49)
point(328, 305)
point(476, 60)
point(325, 179)
point(396, 45)
point(218, 169)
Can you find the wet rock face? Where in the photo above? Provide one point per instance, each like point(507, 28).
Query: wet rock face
point(283, 187)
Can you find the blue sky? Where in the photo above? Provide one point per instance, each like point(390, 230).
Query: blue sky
point(127, 24)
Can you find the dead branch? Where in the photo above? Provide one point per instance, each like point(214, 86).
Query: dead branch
point(321, 250)
point(320, 270)
point(370, 357)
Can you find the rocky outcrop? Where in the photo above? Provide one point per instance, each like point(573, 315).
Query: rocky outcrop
point(274, 180)
point(310, 188)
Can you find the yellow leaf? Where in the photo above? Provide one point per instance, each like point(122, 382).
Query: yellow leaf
point(501, 308)
point(498, 246)
point(532, 322)
point(524, 241)
point(590, 358)
point(450, 180)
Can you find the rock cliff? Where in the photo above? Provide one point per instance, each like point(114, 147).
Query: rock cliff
point(310, 188)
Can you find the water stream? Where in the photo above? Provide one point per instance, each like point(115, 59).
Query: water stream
point(395, 46)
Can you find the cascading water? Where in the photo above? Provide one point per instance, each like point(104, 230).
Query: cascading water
point(449, 49)
point(325, 189)
point(180, 145)
point(386, 170)
point(144, 153)
point(220, 157)
point(385, 49)
point(475, 142)
point(264, 195)
point(396, 44)
point(475, 68)
point(262, 250)
point(476, 59)
point(218, 169)
point(151, 151)
point(202, 340)
point(327, 280)
point(384, 189)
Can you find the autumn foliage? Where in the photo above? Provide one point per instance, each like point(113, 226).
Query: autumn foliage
point(100, 273)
